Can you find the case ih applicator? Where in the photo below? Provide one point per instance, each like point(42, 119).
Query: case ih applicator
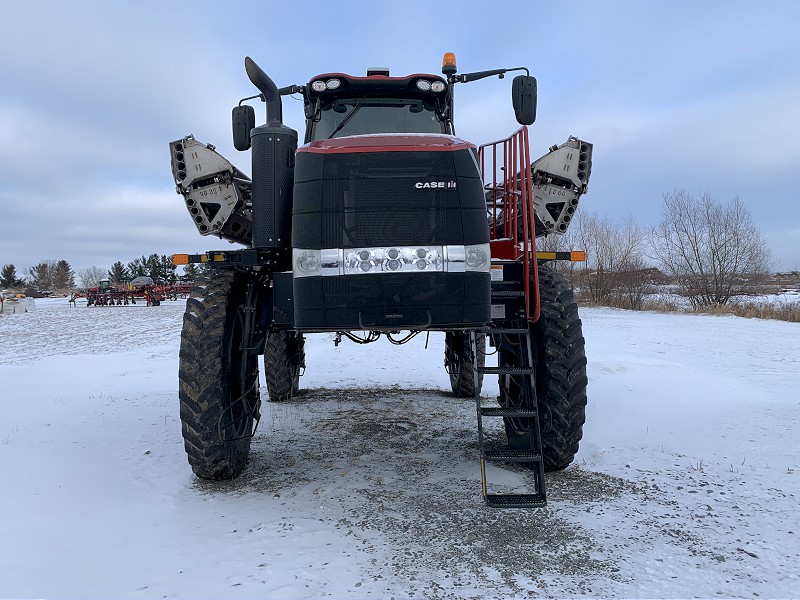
point(383, 221)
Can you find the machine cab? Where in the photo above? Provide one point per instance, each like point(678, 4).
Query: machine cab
point(339, 105)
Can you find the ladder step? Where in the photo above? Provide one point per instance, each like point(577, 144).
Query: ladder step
point(511, 411)
point(509, 455)
point(508, 293)
point(505, 370)
point(490, 330)
point(516, 500)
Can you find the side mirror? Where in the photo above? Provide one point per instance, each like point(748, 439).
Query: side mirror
point(523, 97)
point(244, 119)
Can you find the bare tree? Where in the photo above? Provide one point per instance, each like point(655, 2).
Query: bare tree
point(91, 276)
point(615, 271)
point(713, 250)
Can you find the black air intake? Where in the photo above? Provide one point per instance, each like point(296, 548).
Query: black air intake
point(274, 147)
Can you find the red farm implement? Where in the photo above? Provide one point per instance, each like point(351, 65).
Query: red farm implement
point(150, 294)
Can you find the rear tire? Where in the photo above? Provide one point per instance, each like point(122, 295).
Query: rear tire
point(284, 356)
point(560, 367)
point(219, 395)
point(459, 363)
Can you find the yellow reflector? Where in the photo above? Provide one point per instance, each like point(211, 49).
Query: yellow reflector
point(546, 255)
point(204, 258)
point(219, 257)
point(180, 259)
point(578, 256)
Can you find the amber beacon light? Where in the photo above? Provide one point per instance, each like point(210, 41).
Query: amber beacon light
point(449, 63)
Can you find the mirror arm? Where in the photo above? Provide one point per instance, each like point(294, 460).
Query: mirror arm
point(284, 91)
point(467, 77)
point(292, 89)
point(252, 98)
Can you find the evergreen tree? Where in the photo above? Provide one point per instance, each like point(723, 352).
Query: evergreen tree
point(168, 269)
point(63, 276)
point(138, 267)
point(40, 277)
point(118, 274)
point(8, 277)
point(158, 268)
point(154, 268)
point(190, 273)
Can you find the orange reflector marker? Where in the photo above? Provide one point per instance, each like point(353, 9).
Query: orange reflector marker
point(573, 255)
point(578, 256)
point(449, 63)
point(180, 259)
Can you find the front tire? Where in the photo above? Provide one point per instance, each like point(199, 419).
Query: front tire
point(219, 395)
point(458, 360)
point(284, 356)
point(560, 368)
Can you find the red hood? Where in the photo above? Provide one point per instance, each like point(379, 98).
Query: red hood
point(388, 142)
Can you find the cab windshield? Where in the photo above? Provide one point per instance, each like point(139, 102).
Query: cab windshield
point(357, 116)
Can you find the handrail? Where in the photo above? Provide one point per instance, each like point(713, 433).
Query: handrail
point(515, 197)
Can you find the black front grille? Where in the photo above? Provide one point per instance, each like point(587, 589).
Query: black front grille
point(372, 199)
point(381, 198)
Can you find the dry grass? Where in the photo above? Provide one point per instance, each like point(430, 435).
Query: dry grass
point(789, 311)
point(666, 303)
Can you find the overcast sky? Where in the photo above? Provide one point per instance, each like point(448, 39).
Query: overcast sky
point(697, 95)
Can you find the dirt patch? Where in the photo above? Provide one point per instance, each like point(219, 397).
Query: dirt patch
point(403, 464)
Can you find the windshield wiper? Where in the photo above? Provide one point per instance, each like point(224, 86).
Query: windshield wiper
point(345, 121)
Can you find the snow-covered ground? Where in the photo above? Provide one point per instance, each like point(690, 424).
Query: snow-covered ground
point(687, 482)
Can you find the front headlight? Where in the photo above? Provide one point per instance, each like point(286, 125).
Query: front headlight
point(478, 257)
point(306, 262)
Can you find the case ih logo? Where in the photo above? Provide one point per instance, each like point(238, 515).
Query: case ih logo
point(445, 185)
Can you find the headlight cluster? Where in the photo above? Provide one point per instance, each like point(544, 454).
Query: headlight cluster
point(367, 260)
point(321, 86)
point(427, 86)
point(391, 259)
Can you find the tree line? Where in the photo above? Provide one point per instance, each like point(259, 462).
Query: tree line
point(59, 275)
point(708, 251)
point(47, 275)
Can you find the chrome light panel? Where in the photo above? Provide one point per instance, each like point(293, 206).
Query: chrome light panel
point(390, 259)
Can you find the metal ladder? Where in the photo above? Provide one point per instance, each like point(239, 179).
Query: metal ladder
point(511, 337)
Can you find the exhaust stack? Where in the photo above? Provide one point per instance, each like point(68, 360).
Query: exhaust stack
point(273, 150)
